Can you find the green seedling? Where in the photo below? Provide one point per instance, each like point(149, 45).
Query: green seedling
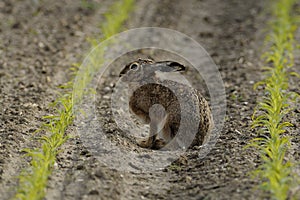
point(33, 180)
point(88, 5)
point(273, 144)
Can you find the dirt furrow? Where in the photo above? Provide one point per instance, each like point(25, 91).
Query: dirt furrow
point(39, 42)
point(230, 32)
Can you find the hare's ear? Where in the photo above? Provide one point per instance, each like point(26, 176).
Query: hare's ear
point(172, 66)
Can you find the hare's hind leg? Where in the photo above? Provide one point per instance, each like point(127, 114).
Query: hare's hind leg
point(148, 142)
point(152, 141)
point(158, 143)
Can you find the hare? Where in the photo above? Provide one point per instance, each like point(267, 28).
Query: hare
point(166, 104)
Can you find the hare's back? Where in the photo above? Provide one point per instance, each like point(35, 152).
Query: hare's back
point(149, 94)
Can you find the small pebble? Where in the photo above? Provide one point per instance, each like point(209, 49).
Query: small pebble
point(107, 89)
point(188, 179)
point(106, 97)
point(41, 45)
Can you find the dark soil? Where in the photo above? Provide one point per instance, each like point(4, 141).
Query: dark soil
point(39, 42)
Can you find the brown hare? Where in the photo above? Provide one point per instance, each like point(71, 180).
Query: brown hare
point(160, 102)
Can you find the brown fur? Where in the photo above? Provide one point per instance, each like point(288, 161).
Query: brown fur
point(150, 90)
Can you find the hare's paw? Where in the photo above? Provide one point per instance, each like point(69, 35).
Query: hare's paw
point(144, 143)
point(158, 144)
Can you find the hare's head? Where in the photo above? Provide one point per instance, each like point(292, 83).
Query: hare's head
point(145, 69)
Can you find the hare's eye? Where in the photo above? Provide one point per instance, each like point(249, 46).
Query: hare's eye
point(134, 66)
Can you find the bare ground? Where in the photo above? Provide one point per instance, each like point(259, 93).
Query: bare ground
point(40, 41)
